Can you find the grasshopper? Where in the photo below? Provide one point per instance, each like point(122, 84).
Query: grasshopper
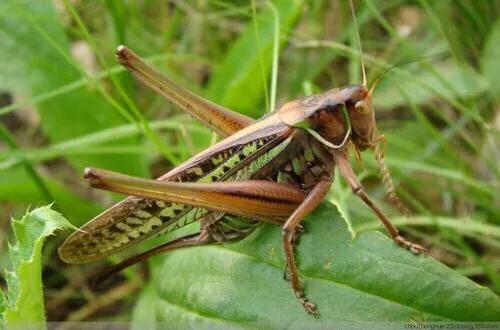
point(273, 170)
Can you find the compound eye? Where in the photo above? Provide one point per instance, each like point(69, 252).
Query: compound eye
point(362, 107)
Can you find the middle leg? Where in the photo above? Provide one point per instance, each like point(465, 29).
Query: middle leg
point(312, 200)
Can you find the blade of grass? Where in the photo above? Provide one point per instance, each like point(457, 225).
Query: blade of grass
point(71, 61)
point(464, 226)
point(466, 82)
point(404, 41)
point(78, 145)
point(442, 172)
point(118, 15)
point(259, 50)
point(35, 100)
point(37, 67)
point(343, 49)
point(275, 56)
point(138, 115)
point(236, 82)
point(475, 270)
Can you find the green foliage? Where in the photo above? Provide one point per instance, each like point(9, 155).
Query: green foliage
point(42, 62)
point(438, 109)
point(237, 81)
point(23, 304)
point(16, 186)
point(449, 81)
point(489, 62)
point(368, 278)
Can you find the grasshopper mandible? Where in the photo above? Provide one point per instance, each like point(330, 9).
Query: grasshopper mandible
point(273, 170)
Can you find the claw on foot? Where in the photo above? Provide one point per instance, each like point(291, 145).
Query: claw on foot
point(415, 248)
point(299, 229)
point(309, 307)
point(296, 235)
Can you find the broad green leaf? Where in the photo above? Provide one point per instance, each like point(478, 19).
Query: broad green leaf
point(24, 303)
point(490, 65)
point(32, 64)
point(143, 316)
point(237, 82)
point(449, 80)
point(365, 279)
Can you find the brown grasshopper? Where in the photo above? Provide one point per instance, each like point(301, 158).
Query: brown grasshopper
point(273, 170)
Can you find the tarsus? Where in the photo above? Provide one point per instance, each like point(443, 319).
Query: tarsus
point(387, 180)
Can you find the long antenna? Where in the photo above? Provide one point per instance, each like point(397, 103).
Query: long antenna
point(359, 42)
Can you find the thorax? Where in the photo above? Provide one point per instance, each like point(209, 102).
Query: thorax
point(304, 163)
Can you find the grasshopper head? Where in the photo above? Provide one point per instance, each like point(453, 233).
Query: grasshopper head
point(362, 117)
point(342, 114)
point(336, 115)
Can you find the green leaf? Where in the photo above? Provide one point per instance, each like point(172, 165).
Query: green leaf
point(143, 316)
point(24, 303)
point(448, 80)
point(3, 305)
point(31, 63)
point(490, 65)
point(237, 81)
point(365, 279)
point(17, 186)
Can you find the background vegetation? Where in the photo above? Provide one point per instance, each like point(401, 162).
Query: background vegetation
point(66, 104)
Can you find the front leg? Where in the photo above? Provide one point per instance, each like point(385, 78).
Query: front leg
point(345, 168)
point(312, 200)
